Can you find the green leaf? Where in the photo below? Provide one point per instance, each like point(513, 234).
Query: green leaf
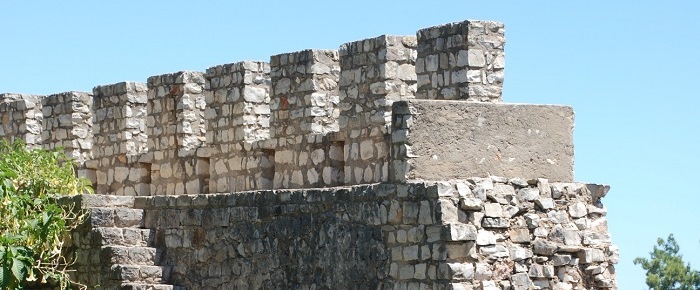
point(32, 223)
point(19, 269)
point(5, 278)
point(45, 218)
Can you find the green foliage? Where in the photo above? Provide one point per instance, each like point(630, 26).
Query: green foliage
point(666, 269)
point(32, 222)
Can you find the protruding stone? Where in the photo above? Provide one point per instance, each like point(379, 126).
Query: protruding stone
point(544, 247)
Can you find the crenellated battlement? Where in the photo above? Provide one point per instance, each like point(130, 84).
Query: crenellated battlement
point(463, 60)
point(390, 163)
point(307, 119)
point(21, 118)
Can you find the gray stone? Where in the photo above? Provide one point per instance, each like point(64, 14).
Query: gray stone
point(545, 203)
point(502, 223)
point(471, 204)
point(528, 194)
point(483, 271)
point(521, 281)
point(462, 271)
point(462, 232)
point(590, 255)
point(518, 253)
point(493, 252)
point(561, 260)
point(544, 247)
point(448, 211)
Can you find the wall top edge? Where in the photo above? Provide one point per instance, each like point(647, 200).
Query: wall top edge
point(475, 103)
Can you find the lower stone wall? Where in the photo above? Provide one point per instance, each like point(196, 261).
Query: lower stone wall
point(313, 161)
point(479, 233)
point(304, 239)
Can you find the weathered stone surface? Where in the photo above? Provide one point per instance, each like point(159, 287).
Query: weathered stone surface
point(544, 247)
point(176, 129)
point(520, 235)
point(399, 238)
point(539, 144)
point(453, 195)
point(21, 118)
point(67, 123)
point(473, 204)
point(462, 60)
point(485, 237)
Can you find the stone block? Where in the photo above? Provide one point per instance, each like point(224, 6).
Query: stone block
point(481, 139)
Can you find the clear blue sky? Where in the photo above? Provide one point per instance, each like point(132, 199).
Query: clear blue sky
point(629, 69)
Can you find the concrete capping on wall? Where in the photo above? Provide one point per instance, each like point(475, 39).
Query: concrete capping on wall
point(434, 140)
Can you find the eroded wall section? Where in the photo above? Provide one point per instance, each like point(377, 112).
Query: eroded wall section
point(477, 233)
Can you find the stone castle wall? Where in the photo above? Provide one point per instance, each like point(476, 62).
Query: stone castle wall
point(478, 233)
point(371, 166)
point(488, 233)
point(21, 118)
point(308, 119)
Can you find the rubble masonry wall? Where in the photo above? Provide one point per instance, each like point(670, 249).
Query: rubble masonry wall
point(371, 166)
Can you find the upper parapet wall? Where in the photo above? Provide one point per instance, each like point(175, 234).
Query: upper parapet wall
point(462, 60)
point(238, 102)
point(313, 118)
point(67, 122)
point(21, 118)
point(304, 93)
